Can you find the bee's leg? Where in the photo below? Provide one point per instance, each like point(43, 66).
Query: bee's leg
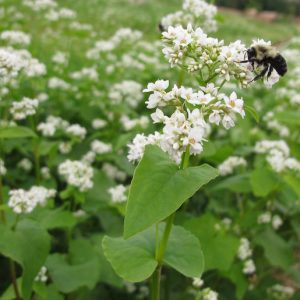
point(262, 74)
point(270, 71)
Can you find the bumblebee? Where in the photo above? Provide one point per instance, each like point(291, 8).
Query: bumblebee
point(263, 54)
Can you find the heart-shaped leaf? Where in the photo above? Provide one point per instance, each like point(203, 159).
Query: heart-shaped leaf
point(159, 188)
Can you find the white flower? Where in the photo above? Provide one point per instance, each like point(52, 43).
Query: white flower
point(159, 86)
point(209, 294)
point(227, 121)
point(235, 104)
point(76, 131)
point(137, 147)
point(249, 267)
point(14, 37)
point(25, 164)
point(281, 292)
point(98, 123)
point(270, 81)
point(197, 282)
point(3, 170)
point(47, 129)
point(264, 218)
point(158, 116)
point(276, 222)
point(65, 147)
point(99, 147)
point(26, 107)
point(45, 171)
point(215, 117)
point(113, 172)
point(244, 250)
point(42, 275)
point(118, 193)
point(22, 201)
point(77, 174)
point(227, 167)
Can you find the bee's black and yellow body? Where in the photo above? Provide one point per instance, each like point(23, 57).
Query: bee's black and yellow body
point(268, 57)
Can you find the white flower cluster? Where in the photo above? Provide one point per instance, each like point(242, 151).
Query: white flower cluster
point(98, 123)
point(273, 124)
point(77, 174)
point(58, 83)
point(113, 172)
point(278, 155)
point(10, 65)
point(76, 131)
point(208, 294)
point(42, 275)
point(22, 201)
point(197, 282)
point(12, 61)
point(123, 35)
point(13, 37)
point(24, 108)
point(51, 125)
point(245, 255)
point(128, 124)
point(197, 12)
point(227, 167)
point(3, 170)
point(127, 91)
point(281, 292)
point(60, 58)
point(194, 51)
point(59, 14)
point(38, 5)
point(25, 164)
point(98, 147)
point(85, 73)
point(185, 128)
point(267, 218)
point(118, 193)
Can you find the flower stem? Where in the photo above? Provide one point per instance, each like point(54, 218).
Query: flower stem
point(36, 153)
point(12, 269)
point(155, 284)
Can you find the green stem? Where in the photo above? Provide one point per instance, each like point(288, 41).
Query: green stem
point(155, 284)
point(12, 269)
point(164, 241)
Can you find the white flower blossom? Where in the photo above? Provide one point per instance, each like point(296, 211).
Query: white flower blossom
point(77, 174)
point(24, 108)
point(22, 201)
point(118, 193)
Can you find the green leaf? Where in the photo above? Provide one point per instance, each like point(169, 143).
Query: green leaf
point(132, 259)
point(263, 182)
point(80, 270)
point(293, 182)
point(219, 248)
point(159, 188)
point(28, 245)
point(277, 250)
point(237, 183)
point(136, 261)
point(55, 218)
point(9, 293)
point(252, 111)
point(16, 132)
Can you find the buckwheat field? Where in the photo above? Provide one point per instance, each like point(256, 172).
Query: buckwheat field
point(149, 149)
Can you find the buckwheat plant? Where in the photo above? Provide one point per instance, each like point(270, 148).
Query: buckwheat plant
point(163, 180)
